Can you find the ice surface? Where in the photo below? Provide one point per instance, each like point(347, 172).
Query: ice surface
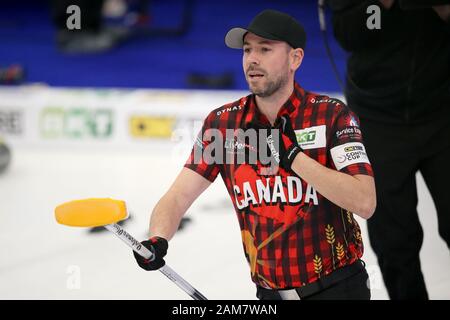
point(40, 259)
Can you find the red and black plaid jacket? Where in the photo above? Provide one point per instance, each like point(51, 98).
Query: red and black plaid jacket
point(291, 234)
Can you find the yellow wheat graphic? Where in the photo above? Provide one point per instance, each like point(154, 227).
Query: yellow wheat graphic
point(345, 226)
point(329, 232)
point(340, 251)
point(358, 235)
point(317, 265)
point(350, 217)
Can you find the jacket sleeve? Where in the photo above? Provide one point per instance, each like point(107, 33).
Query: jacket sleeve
point(350, 23)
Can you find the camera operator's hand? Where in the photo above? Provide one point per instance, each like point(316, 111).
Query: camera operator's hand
point(387, 4)
point(443, 11)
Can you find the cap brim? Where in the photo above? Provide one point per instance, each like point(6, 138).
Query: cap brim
point(235, 38)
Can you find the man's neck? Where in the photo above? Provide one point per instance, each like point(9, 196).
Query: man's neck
point(270, 106)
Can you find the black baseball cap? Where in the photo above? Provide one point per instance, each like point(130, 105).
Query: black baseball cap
point(270, 24)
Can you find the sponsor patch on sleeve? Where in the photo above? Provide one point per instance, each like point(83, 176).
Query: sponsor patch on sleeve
point(349, 132)
point(312, 137)
point(349, 153)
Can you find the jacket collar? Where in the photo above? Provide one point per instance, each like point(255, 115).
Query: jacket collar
point(295, 101)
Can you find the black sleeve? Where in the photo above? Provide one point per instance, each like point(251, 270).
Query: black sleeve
point(350, 23)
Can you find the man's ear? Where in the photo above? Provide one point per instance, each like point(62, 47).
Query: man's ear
point(296, 57)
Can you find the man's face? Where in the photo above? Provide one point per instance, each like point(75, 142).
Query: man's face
point(266, 64)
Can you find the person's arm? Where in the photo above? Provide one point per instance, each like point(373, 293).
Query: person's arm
point(353, 193)
point(193, 179)
point(349, 184)
point(350, 22)
point(167, 213)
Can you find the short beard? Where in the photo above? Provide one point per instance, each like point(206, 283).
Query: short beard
point(271, 88)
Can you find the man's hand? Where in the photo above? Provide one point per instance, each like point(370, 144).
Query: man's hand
point(158, 246)
point(289, 142)
point(281, 141)
point(387, 4)
point(443, 11)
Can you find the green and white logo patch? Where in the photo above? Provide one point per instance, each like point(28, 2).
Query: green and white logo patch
point(312, 137)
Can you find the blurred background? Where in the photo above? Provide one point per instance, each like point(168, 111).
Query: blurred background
point(146, 43)
point(111, 110)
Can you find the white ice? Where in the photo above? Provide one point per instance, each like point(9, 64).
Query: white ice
point(40, 259)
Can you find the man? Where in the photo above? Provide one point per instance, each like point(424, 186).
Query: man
point(296, 210)
point(398, 81)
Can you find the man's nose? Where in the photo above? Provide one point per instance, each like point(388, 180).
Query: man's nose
point(252, 58)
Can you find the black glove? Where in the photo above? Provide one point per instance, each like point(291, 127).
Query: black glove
point(158, 246)
point(289, 147)
point(283, 147)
